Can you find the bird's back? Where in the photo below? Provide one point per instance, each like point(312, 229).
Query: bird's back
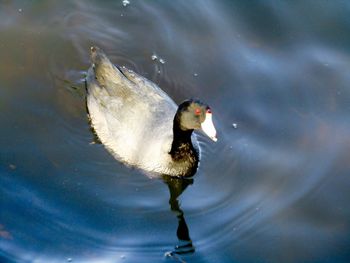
point(131, 115)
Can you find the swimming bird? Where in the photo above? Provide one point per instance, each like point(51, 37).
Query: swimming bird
point(140, 124)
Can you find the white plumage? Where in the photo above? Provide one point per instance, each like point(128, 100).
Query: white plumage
point(131, 116)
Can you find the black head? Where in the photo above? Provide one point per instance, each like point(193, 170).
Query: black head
point(193, 115)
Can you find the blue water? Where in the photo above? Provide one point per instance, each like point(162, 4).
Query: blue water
point(274, 188)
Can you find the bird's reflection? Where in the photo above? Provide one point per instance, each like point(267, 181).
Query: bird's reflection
point(176, 187)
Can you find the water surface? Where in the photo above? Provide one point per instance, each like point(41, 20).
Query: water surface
point(274, 188)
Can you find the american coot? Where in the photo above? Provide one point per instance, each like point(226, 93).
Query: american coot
point(138, 122)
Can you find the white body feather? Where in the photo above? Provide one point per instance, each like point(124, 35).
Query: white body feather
point(135, 123)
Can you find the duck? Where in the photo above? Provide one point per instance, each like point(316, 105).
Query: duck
point(139, 124)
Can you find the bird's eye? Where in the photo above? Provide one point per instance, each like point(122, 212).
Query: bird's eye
point(197, 111)
point(208, 110)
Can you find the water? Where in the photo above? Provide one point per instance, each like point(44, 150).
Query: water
point(274, 188)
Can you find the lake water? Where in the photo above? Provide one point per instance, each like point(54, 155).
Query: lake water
point(274, 188)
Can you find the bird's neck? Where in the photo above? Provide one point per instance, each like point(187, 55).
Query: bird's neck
point(182, 150)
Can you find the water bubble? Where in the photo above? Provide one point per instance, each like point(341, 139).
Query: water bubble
point(69, 259)
point(126, 2)
point(234, 125)
point(154, 57)
point(12, 166)
point(122, 256)
point(172, 254)
point(195, 74)
point(20, 10)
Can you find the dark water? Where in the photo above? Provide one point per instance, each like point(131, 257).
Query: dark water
point(274, 189)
